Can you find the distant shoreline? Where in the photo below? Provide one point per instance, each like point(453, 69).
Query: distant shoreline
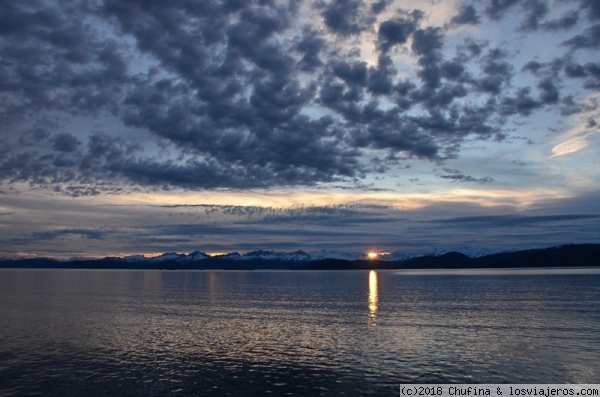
point(564, 256)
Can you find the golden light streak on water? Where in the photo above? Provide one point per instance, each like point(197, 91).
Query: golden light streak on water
point(373, 298)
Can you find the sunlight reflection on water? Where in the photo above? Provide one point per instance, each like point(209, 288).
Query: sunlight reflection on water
point(239, 333)
point(373, 298)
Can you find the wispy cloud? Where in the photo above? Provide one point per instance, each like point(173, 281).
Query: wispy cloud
point(571, 146)
point(585, 125)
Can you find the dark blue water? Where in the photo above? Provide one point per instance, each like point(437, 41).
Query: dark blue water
point(355, 333)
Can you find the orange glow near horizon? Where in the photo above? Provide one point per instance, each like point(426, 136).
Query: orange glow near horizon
point(372, 255)
point(402, 201)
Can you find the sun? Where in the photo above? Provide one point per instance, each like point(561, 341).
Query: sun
point(372, 255)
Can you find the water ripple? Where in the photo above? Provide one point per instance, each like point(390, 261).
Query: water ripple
point(76, 333)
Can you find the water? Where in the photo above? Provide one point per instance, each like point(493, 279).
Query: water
point(355, 333)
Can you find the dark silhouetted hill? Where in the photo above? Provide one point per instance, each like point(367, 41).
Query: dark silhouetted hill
point(571, 255)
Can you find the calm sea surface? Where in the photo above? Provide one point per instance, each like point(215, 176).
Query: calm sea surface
point(251, 333)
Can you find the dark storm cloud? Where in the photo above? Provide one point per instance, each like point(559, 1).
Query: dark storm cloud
point(566, 21)
point(452, 70)
point(352, 74)
point(549, 93)
point(523, 103)
point(427, 43)
point(497, 8)
point(380, 78)
point(380, 5)
point(569, 106)
point(497, 71)
point(241, 95)
point(532, 66)
point(589, 39)
point(590, 72)
point(535, 10)
point(575, 70)
point(592, 8)
point(310, 47)
point(44, 51)
point(65, 143)
point(533, 14)
point(343, 17)
point(467, 15)
point(397, 31)
point(594, 72)
point(474, 48)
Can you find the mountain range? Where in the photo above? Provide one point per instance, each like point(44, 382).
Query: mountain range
point(571, 255)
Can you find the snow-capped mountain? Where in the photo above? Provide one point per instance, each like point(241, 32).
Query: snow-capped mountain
point(300, 256)
point(468, 251)
point(168, 256)
point(196, 256)
point(296, 256)
point(558, 256)
point(348, 256)
point(135, 258)
point(231, 255)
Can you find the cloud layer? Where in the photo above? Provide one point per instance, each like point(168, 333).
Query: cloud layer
point(106, 96)
point(82, 228)
point(230, 125)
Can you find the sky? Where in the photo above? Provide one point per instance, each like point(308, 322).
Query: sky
point(147, 126)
